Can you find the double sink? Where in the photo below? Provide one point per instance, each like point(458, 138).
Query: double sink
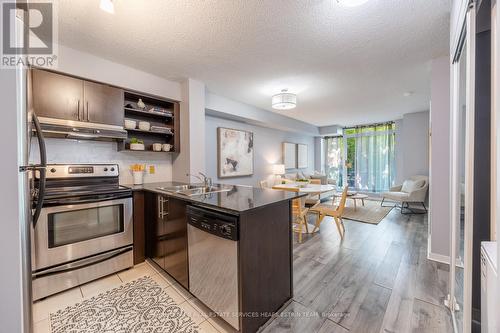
point(195, 189)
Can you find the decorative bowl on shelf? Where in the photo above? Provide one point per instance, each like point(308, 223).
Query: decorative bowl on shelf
point(144, 125)
point(130, 124)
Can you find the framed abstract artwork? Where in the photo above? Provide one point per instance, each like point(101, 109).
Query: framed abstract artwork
point(301, 156)
point(234, 152)
point(290, 155)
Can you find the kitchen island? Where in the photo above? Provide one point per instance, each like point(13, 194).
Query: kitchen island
point(231, 249)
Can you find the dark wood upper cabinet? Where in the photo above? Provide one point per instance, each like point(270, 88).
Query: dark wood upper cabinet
point(57, 96)
point(65, 97)
point(103, 103)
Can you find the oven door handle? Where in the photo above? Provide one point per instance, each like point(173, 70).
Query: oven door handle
point(72, 201)
point(82, 263)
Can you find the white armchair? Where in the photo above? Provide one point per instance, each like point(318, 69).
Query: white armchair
point(413, 190)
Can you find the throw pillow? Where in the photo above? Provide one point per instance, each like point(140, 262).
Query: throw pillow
point(411, 185)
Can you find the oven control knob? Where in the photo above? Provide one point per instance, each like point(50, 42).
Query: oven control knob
point(112, 169)
point(105, 169)
point(53, 170)
point(225, 230)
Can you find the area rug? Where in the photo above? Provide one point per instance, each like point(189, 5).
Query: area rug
point(371, 212)
point(138, 306)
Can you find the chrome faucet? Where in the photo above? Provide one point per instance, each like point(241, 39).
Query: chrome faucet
point(207, 181)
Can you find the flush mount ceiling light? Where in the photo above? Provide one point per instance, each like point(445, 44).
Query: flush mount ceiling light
point(284, 100)
point(107, 6)
point(351, 3)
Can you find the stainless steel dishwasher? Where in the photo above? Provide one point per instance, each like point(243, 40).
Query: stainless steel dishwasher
point(213, 261)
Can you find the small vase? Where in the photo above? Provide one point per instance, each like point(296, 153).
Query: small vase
point(138, 177)
point(140, 104)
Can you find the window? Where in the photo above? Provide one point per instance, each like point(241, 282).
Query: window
point(363, 158)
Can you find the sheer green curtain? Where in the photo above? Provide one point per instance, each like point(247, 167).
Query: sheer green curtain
point(373, 157)
point(334, 161)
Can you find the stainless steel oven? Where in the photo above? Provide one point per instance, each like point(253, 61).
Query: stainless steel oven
point(73, 231)
point(85, 228)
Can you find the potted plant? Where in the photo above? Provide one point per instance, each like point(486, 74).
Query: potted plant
point(136, 144)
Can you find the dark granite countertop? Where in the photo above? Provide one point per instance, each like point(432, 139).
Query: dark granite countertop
point(237, 200)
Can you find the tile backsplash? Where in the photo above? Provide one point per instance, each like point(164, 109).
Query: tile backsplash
point(84, 151)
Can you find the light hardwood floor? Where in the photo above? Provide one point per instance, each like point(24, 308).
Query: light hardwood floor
point(378, 279)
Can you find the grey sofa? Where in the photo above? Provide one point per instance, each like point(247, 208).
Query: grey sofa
point(306, 175)
point(323, 179)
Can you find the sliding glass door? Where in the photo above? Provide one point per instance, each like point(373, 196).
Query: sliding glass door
point(363, 158)
point(370, 157)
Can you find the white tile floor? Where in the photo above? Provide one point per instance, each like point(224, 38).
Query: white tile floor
point(194, 308)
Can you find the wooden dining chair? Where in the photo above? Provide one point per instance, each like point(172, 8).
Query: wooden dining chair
point(299, 212)
point(323, 210)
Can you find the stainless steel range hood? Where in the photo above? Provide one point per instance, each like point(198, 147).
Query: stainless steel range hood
point(69, 129)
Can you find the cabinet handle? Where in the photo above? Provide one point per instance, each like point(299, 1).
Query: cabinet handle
point(88, 118)
point(161, 207)
point(78, 110)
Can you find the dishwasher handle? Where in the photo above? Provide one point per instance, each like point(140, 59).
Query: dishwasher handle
point(221, 225)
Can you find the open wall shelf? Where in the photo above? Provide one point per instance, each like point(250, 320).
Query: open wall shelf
point(158, 112)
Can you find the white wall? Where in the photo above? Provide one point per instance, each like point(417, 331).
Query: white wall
point(88, 66)
point(412, 146)
point(191, 159)
point(267, 149)
point(319, 154)
point(217, 105)
point(439, 216)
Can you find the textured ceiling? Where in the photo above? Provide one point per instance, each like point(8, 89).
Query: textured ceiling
point(348, 65)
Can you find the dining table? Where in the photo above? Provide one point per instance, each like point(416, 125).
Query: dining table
point(308, 188)
point(311, 189)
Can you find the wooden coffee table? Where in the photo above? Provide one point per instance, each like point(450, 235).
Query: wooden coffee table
point(354, 198)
